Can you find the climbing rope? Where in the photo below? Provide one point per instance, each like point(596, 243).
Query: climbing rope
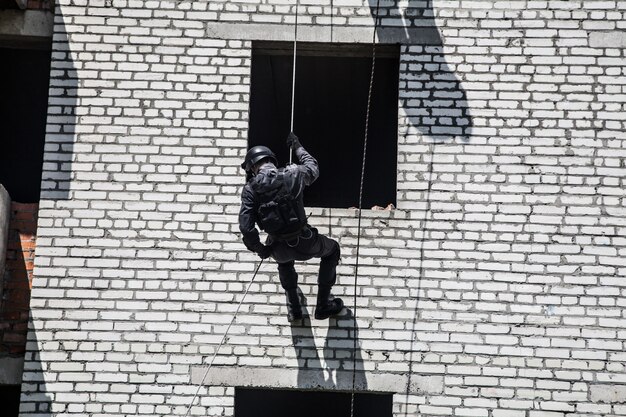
point(293, 77)
point(223, 339)
point(358, 236)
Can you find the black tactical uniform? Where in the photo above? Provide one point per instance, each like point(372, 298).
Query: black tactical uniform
point(291, 238)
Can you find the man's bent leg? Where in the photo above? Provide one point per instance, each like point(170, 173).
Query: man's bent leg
point(289, 281)
point(328, 264)
point(327, 305)
point(287, 275)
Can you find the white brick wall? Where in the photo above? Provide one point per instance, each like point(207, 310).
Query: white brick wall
point(495, 289)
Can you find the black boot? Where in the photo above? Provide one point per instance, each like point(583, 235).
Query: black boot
point(294, 309)
point(327, 305)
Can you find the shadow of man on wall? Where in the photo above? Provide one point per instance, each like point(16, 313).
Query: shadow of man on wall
point(335, 372)
point(310, 368)
point(342, 355)
point(431, 93)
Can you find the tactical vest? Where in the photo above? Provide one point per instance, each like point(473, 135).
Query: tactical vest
point(278, 211)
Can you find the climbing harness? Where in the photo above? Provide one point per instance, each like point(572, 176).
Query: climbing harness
point(293, 76)
point(223, 339)
point(296, 240)
point(358, 236)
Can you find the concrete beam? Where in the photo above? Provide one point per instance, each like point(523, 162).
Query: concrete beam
point(271, 32)
point(5, 216)
point(26, 28)
point(280, 378)
point(11, 370)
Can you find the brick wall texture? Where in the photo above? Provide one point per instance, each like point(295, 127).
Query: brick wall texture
point(499, 278)
point(17, 278)
point(40, 4)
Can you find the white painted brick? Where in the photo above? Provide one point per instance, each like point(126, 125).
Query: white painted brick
point(503, 255)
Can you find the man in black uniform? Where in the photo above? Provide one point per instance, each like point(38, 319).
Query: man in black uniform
point(273, 199)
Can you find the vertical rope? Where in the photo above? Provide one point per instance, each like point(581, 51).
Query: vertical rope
point(358, 238)
point(293, 77)
point(223, 339)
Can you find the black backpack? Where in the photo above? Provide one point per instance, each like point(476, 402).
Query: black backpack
point(278, 211)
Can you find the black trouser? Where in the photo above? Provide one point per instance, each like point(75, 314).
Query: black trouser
point(310, 244)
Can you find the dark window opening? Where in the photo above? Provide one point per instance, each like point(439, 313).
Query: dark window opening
point(10, 395)
point(24, 79)
point(8, 4)
point(332, 82)
point(264, 402)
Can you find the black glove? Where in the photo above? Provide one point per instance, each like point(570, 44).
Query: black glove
point(263, 251)
point(293, 141)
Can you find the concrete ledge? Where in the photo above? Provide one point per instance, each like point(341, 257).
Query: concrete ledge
point(11, 370)
point(280, 378)
point(613, 39)
point(604, 393)
point(273, 32)
point(26, 27)
point(5, 216)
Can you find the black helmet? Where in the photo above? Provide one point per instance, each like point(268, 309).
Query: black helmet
point(257, 153)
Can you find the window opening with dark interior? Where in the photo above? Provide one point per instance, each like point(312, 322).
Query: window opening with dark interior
point(332, 82)
point(255, 402)
point(24, 105)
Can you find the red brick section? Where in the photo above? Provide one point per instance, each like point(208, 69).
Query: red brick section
point(40, 4)
point(17, 282)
